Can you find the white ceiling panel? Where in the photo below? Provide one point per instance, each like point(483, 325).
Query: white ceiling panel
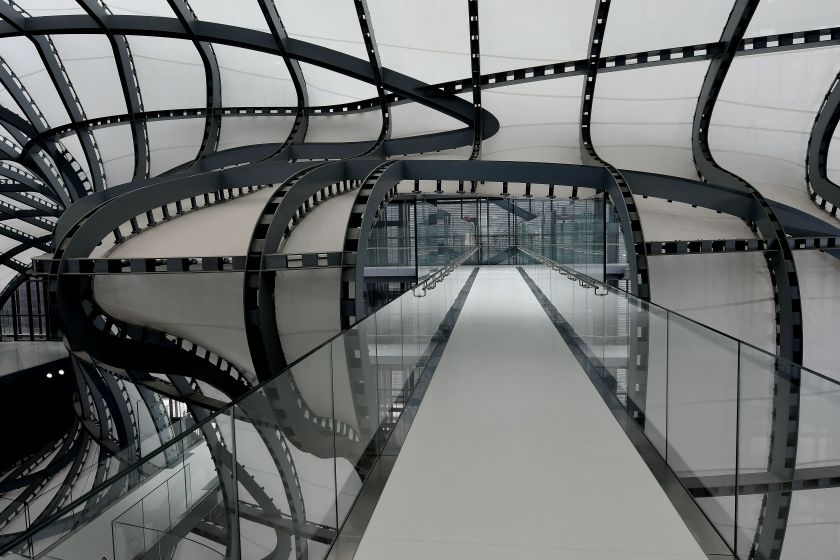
point(326, 87)
point(89, 61)
point(641, 119)
point(27, 255)
point(170, 73)
point(345, 128)
point(174, 142)
point(646, 25)
point(784, 16)
point(326, 23)
point(833, 162)
point(51, 7)
point(22, 57)
point(144, 8)
point(116, 145)
point(244, 131)
point(254, 79)
point(411, 119)
point(673, 221)
point(539, 121)
point(241, 13)
point(727, 291)
point(763, 119)
point(819, 282)
point(535, 33)
point(429, 41)
point(6, 243)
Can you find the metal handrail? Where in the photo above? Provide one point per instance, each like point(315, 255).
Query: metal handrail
point(583, 280)
point(429, 282)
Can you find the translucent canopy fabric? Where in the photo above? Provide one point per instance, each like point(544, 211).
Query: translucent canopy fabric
point(787, 16)
point(763, 120)
point(537, 32)
point(646, 25)
point(148, 8)
point(169, 71)
point(103, 104)
point(253, 79)
point(539, 121)
point(642, 119)
point(427, 40)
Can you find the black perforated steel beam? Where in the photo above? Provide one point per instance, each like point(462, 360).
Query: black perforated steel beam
point(13, 14)
point(278, 31)
point(366, 26)
point(822, 190)
point(130, 87)
point(475, 79)
point(775, 507)
point(212, 124)
point(621, 195)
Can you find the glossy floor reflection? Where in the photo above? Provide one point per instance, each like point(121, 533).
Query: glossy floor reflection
point(514, 455)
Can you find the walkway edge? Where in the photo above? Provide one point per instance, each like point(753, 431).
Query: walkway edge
point(352, 530)
point(698, 524)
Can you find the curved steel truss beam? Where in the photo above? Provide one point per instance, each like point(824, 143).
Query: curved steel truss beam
point(775, 507)
point(366, 26)
point(17, 17)
point(212, 124)
point(621, 194)
point(278, 31)
point(130, 87)
point(475, 65)
point(824, 192)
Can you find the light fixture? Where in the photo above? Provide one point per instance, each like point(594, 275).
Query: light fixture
point(49, 376)
point(61, 372)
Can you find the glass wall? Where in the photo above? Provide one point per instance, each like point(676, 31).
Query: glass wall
point(415, 235)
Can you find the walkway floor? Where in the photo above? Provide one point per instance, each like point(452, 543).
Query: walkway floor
point(513, 454)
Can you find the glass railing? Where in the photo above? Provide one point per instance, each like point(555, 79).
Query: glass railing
point(77, 482)
point(754, 438)
point(276, 472)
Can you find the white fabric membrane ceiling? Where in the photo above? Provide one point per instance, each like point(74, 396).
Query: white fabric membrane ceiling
point(773, 17)
point(428, 40)
point(116, 146)
point(646, 25)
point(145, 8)
point(253, 79)
point(539, 121)
point(641, 117)
point(511, 39)
point(763, 119)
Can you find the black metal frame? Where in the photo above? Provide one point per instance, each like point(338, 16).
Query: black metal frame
point(770, 532)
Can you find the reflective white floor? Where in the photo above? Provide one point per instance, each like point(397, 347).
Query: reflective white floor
point(514, 455)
